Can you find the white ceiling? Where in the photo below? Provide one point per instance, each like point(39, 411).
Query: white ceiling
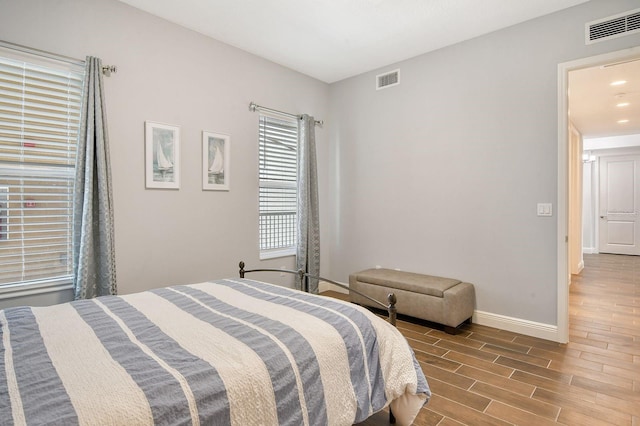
point(593, 100)
point(335, 39)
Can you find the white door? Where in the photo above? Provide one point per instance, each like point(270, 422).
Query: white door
point(619, 202)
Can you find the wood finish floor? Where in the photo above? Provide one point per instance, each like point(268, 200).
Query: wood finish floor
point(485, 376)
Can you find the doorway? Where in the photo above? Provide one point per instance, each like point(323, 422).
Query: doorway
point(619, 230)
point(564, 193)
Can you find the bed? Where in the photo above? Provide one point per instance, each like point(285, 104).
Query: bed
point(233, 351)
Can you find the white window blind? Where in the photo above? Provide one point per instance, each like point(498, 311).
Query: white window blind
point(39, 120)
point(278, 140)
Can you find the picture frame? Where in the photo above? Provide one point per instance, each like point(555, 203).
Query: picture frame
point(216, 160)
point(162, 155)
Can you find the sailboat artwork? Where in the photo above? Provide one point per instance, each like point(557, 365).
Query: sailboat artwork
point(162, 155)
point(163, 164)
point(215, 158)
point(163, 147)
point(216, 171)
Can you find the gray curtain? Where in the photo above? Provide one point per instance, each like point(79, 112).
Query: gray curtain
point(94, 267)
point(308, 244)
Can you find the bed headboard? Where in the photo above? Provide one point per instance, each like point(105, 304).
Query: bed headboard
point(391, 298)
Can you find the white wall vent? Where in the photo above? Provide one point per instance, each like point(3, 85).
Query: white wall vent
point(623, 24)
point(388, 79)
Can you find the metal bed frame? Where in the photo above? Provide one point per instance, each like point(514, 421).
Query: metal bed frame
point(304, 285)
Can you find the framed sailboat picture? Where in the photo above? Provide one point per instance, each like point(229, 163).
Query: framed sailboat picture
point(162, 155)
point(216, 150)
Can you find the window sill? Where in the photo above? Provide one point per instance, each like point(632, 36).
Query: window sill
point(272, 254)
point(35, 287)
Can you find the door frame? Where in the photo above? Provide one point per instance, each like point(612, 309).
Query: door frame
point(625, 154)
point(562, 333)
point(599, 154)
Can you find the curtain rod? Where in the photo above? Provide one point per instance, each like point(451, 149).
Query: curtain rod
point(106, 69)
point(253, 107)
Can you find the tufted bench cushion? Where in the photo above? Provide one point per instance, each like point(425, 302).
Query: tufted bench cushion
point(442, 300)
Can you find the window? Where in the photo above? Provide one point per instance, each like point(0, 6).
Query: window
point(40, 106)
point(4, 198)
point(278, 139)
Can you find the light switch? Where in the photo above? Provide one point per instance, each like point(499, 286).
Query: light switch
point(545, 209)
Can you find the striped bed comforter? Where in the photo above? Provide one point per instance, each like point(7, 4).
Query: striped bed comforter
point(233, 351)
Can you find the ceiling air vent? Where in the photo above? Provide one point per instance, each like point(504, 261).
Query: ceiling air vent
point(612, 27)
point(387, 79)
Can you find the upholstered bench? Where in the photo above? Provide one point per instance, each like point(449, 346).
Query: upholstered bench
point(441, 300)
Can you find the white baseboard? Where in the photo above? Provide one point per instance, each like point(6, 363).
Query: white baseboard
point(589, 250)
point(517, 325)
point(324, 286)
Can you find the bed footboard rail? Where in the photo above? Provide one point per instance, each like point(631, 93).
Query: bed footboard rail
point(391, 298)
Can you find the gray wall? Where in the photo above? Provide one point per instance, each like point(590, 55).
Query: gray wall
point(172, 75)
point(442, 173)
point(439, 175)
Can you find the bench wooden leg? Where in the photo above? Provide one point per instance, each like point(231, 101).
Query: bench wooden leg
point(450, 330)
